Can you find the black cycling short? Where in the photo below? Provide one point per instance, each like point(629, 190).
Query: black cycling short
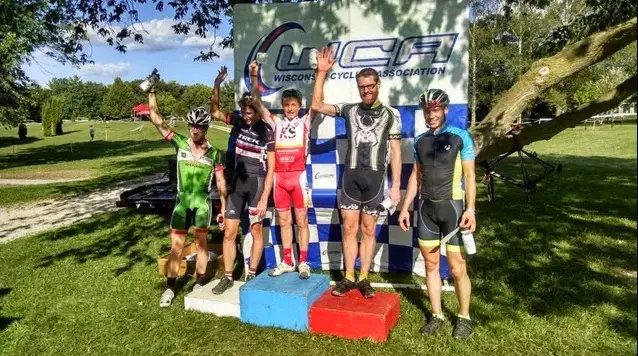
point(362, 189)
point(242, 192)
point(436, 219)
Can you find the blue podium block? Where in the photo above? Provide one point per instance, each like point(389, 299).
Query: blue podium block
point(282, 301)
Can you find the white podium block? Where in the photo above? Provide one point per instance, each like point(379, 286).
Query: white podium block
point(203, 300)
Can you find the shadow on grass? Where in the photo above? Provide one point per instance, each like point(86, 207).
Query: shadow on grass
point(571, 247)
point(70, 132)
point(124, 233)
point(77, 151)
point(123, 171)
point(5, 322)
point(15, 141)
point(119, 234)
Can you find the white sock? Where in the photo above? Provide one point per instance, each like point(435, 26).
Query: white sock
point(466, 317)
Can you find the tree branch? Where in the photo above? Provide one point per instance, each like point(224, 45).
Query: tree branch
point(548, 72)
point(566, 120)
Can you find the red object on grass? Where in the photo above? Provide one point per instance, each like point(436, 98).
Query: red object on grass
point(355, 317)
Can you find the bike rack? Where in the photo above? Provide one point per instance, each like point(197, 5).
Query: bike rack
point(528, 185)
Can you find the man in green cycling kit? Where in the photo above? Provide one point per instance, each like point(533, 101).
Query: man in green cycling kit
point(197, 162)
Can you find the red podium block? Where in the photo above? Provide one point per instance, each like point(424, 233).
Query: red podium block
point(355, 317)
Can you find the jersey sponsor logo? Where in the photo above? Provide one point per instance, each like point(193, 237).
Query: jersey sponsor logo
point(337, 254)
point(197, 165)
point(320, 175)
point(389, 52)
point(349, 207)
point(367, 128)
point(289, 131)
point(248, 139)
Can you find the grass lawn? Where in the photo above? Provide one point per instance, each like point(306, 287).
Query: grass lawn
point(117, 153)
point(554, 277)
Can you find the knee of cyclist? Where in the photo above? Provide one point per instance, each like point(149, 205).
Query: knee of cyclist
point(302, 221)
point(176, 248)
point(285, 220)
point(229, 234)
point(458, 271)
point(350, 230)
point(368, 231)
point(432, 265)
point(200, 244)
point(257, 232)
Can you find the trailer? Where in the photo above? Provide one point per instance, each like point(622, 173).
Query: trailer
point(159, 197)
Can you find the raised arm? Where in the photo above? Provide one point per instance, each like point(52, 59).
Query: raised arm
point(156, 117)
point(256, 94)
point(311, 113)
point(324, 64)
point(215, 110)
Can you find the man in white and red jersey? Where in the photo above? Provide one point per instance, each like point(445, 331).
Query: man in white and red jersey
point(291, 135)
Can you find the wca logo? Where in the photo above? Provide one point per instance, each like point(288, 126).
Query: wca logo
point(388, 52)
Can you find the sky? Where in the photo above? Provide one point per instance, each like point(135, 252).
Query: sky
point(171, 54)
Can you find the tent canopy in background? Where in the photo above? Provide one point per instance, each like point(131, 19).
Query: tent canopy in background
point(141, 109)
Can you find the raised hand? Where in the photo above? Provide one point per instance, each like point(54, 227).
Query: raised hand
point(221, 75)
point(254, 68)
point(324, 59)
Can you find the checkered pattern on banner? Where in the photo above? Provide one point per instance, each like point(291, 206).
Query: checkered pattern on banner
point(396, 250)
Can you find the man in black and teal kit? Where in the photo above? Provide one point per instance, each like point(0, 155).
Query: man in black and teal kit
point(197, 163)
point(444, 175)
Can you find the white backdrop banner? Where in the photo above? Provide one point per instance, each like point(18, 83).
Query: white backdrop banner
point(414, 45)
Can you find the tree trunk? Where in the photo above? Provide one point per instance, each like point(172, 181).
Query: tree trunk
point(520, 52)
point(473, 56)
point(566, 120)
point(542, 75)
point(473, 122)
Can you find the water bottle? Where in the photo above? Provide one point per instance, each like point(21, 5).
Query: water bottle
point(150, 81)
point(313, 58)
point(246, 248)
point(386, 205)
point(261, 57)
point(468, 242)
